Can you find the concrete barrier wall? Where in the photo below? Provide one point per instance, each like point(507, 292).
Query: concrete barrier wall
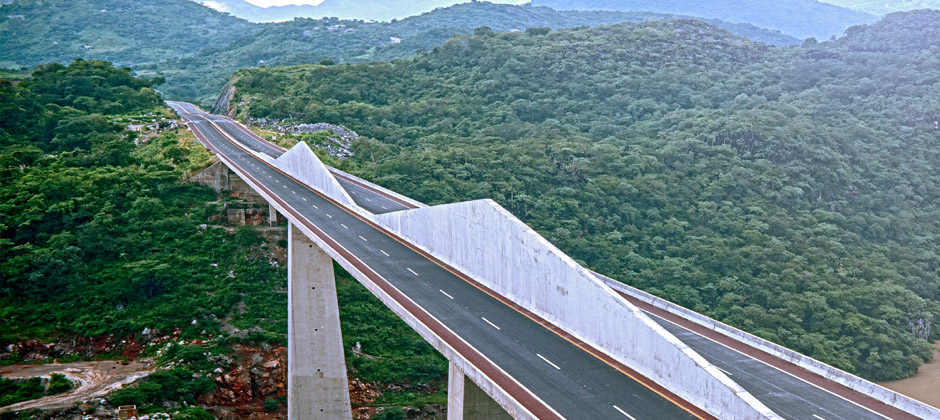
point(301, 163)
point(486, 242)
point(880, 393)
point(387, 191)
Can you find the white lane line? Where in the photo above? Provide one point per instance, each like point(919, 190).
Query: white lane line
point(494, 325)
point(445, 294)
point(820, 418)
point(277, 181)
point(315, 206)
point(367, 199)
point(364, 239)
point(547, 361)
point(354, 192)
point(386, 254)
point(725, 371)
point(295, 192)
point(285, 186)
point(386, 208)
point(412, 272)
point(344, 226)
point(303, 198)
point(623, 412)
point(328, 215)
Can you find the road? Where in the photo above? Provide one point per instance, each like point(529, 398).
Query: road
point(787, 390)
point(554, 377)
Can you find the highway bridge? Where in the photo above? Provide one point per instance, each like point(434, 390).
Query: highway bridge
point(528, 335)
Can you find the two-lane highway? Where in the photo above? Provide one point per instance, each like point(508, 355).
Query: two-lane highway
point(543, 369)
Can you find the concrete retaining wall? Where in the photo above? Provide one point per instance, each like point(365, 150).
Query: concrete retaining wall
point(301, 163)
point(486, 242)
point(880, 393)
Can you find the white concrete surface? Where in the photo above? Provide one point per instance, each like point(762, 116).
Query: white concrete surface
point(487, 243)
point(880, 393)
point(466, 401)
point(401, 197)
point(316, 374)
point(303, 165)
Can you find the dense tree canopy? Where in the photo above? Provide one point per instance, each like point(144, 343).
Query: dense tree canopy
point(792, 192)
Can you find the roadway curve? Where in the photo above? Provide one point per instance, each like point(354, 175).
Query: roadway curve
point(787, 389)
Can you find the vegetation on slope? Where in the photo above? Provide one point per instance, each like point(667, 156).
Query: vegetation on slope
point(881, 7)
point(126, 32)
point(788, 191)
point(197, 49)
point(98, 236)
point(799, 18)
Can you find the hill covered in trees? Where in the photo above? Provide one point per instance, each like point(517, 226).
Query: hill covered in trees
point(308, 41)
point(99, 237)
point(125, 32)
point(798, 18)
point(197, 49)
point(881, 7)
point(791, 192)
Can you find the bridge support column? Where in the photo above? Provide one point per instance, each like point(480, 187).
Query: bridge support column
point(272, 217)
point(316, 369)
point(466, 401)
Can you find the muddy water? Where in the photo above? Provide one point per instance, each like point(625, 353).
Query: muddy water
point(92, 379)
point(925, 385)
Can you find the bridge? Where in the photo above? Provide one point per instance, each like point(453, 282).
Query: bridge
point(529, 333)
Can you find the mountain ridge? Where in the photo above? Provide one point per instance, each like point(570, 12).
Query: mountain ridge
point(797, 18)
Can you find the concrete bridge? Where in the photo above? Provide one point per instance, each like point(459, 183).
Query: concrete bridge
point(528, 332)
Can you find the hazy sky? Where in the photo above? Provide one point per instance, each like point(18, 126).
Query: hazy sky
point(268, 3)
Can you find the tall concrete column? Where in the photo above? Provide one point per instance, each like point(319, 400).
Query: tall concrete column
point(316, 369)
point(272, 216)
point(466, 401)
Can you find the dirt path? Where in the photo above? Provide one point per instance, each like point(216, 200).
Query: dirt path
point(94, 379)
point(925, 385)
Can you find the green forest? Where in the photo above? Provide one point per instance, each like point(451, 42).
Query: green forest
point(98, 236)
point(196, 49)
point(788, 191)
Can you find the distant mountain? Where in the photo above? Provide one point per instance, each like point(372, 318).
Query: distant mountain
point(126, 32)
point(798, 18)
point(381, 10)
point(308, 41)
point(882, 7)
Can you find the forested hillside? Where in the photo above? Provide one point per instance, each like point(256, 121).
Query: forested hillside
point(881, 7)
point(197, 49)
point(308, 41)
point(126, 32)
point(798, 18)
point(792, 192)
point(99, 238)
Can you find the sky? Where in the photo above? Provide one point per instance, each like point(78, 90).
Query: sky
point(268, 3)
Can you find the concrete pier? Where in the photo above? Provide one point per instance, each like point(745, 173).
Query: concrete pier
point(316, 374)
point(272, 216)
point(466, 401)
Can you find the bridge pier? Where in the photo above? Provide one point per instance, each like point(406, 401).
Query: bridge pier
point(316, 369)
point(466, 401)
point(272, 217)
